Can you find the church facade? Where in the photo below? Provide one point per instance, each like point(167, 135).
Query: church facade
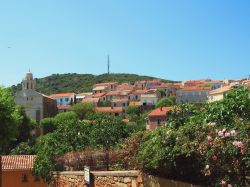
point(36, 105)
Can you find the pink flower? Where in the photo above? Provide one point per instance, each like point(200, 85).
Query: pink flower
point(233, 133)
point(209, 138)
point(229, 185)
point(243, 151)
point(211, 124)
point(238, 144)
point(221, 133)
point(214, 157)
point(223, 182)
point(227, 134)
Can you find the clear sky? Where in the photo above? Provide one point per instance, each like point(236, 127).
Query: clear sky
point(177, 39)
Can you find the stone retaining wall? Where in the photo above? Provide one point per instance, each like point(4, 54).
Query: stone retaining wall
point(98, 179)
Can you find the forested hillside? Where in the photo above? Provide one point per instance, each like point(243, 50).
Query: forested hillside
point(59, 83)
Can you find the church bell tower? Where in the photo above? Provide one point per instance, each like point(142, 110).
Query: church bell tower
point(28, 82)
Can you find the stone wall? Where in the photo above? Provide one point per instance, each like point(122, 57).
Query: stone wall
point(98, 179)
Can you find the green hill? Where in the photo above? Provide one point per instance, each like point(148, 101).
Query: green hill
point(60, 83)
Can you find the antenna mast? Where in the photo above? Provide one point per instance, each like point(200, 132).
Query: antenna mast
point(108, 64)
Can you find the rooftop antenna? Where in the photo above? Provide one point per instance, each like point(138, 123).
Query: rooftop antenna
point(108, 64)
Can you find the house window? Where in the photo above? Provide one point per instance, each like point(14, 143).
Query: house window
point(124, 104)
point(61, 100)
point(27, 98)
point(31, 98)
point(66, 99)
point(114, 104)
point(24, 178)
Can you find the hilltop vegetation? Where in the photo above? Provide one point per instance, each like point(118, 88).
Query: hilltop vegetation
point(59, 83)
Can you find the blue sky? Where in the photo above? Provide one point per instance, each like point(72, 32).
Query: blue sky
point(178, 39)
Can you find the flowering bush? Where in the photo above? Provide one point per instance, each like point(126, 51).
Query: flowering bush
point(206, 144)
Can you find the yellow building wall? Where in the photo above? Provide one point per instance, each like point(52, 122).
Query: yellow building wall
point(215, 97)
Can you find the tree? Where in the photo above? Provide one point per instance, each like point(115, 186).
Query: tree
point(107, 130)
point(48, 125)
point(25, 126)
point(69, 135)
point(162, 92)
point(9, 119)
point(170, 101)
point(82, 109)
point(209, 141)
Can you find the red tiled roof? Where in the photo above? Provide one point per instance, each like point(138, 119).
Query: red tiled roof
point(113, 93)
point(60, 95)
point(61, 107)
point(99, 95)
point(220, 90)
point(194, 88)
point(162, 111)
point(109, 109)
point(139, 91)
point(18, 162)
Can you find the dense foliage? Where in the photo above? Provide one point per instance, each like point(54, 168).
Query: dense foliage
point(61, 83)
point(170, 101)
point(100, 131)
point(15, 126)
point(208, 141)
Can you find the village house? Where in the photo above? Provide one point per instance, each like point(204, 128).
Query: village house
point(36, 105)
point(169, 88)
point(135, 95)
point(116, 111)
point(147, 84)
point(92, 100)
point(149, 99)
point(214, 84)
point(112, 95)
point(192, 94)
point(64, 100)
point(17, 172)
point(157, 118)
point(218, 94)
point(104, 87)
point(80, 97)
point(119, 103)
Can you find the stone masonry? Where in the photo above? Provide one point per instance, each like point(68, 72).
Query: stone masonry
point(98, 179)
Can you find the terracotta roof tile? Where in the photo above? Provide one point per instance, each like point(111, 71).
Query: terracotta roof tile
point(113, 93)
point(99, 95)
point(194, 88)
point(162, 111)
point(18, 162)
point(220, 90)
point(139, 91)
point(61, 95)
point(61, 107)
point(109, 109)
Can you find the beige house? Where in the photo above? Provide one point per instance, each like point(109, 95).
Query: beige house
point(218, 94)
point(36, 105)
point(104, 87)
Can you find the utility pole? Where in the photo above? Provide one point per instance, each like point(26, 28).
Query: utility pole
point(108, 64)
